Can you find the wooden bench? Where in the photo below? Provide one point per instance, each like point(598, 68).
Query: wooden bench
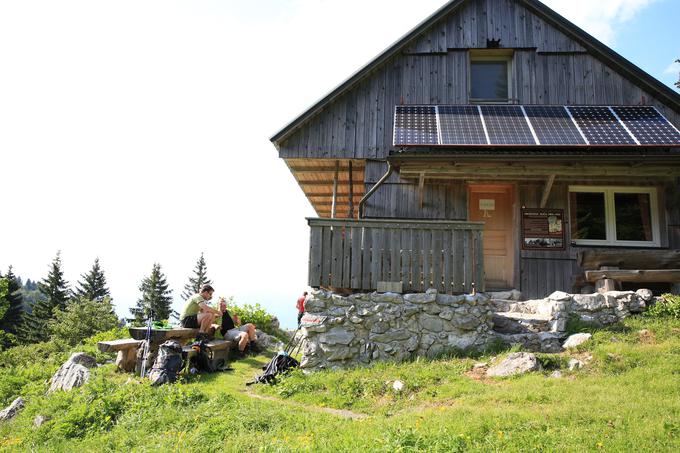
point(127, 351)
point(608, 268)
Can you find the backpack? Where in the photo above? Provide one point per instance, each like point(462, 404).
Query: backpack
point(168, 363)
point(205, 359)
point(280, 364)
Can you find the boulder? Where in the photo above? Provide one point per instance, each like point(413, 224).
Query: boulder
point(420, 298)
point(10, 411)
point(646, 295)
point(392, 335)
point(73, 373)
point(337, 335)
point(515, 363)
point(391, 298)
point(559, 296)
point(431, 323)
point(556, 374)
point(40, 420)
point(576, 340)
point(575, 364)
point(589, 302)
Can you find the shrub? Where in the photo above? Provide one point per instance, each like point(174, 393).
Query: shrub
point(257, 315)
point(667, 307)
point(81, 319)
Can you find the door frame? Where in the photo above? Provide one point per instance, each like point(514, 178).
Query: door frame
point(513, 190)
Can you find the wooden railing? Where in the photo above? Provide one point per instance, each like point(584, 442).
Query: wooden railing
point(357, 254)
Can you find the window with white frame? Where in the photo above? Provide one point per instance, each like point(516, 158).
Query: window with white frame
point(613, 215)
point(490, 76)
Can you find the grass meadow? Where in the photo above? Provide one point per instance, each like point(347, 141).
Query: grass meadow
point(626, 398)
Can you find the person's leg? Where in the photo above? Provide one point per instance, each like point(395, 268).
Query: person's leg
point(205, 320)
point(300, 318)
point(251, 332)
point(243, 341)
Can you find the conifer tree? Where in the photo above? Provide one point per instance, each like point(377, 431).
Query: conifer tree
point(197, 280)
point(156, 297)
point(93, 286)
point(56, 292)
point(11, 321)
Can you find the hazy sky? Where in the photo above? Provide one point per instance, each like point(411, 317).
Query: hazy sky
point(137, 131)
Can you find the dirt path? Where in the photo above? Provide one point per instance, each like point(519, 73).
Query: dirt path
point(337, 412)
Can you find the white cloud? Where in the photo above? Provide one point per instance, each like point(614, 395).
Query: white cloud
point(600, 18)
point(673, 68)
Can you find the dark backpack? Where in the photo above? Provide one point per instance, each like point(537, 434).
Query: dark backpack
point(204, 359)
point(280, 364)
point(168, 363)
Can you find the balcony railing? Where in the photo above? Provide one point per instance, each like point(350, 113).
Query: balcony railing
point(357, 254)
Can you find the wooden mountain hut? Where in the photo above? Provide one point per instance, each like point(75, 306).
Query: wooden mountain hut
point(495, 146)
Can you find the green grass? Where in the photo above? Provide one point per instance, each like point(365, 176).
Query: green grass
point(627, 398)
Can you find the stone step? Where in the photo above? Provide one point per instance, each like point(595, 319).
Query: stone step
point(534, 342)
point(517, 323)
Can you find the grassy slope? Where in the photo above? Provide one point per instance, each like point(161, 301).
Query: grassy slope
point(626, 399)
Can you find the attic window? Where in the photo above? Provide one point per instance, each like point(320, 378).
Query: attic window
point(490, 77)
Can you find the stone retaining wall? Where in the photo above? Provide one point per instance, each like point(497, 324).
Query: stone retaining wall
point(363, 328)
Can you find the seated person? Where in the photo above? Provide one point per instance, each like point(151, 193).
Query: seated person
point(243, 334)
point(197, 313)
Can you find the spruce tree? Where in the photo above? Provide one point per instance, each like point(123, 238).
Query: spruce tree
point(11, 321)
point(198, 280)
point(56, 295)
point(93, 286)
point(156, 297)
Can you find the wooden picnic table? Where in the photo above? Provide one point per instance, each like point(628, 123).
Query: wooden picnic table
point(159, 336)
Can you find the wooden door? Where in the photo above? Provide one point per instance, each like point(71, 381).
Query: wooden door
point(494, 205)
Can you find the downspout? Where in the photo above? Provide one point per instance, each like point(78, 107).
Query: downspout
point(374, 188)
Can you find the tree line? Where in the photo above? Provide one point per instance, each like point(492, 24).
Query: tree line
point(32, 312)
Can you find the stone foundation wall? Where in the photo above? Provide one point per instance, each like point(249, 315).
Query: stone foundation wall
point(363, 328)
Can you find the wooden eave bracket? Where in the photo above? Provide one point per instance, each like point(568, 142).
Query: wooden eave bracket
point(546, 190)
point(421, 189)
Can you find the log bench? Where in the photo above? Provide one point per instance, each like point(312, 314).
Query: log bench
point(608, 268)
point(127, 352)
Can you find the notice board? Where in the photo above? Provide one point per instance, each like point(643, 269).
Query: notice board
point(543, 229)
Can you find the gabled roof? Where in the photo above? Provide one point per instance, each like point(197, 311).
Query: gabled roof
point(594, 47)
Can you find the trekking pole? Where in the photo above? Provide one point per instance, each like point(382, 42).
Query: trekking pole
point(145, 353)
point(292, 342)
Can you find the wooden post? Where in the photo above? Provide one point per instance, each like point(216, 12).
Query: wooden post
point(351, 192)
point(606, 284)
point(421, 189)
point(546, 190)
point(335, 189)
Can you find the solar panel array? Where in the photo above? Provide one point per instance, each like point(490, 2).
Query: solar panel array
point(507, 125)
point(416, 125)
point(517, 125)
point(461, 125)
point(648, 126)
point(553, 125)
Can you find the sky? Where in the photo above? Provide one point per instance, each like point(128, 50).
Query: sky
point(138, 131)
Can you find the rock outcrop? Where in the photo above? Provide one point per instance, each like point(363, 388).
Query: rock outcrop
point(73, 373)
point(515, 363)
point(10, 411)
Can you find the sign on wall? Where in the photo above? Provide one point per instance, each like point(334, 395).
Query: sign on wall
point(543, 229)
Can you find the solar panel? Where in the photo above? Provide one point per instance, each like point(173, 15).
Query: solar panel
point(507, 125)
point(553, 125)
point(461, 125)
point(600, 126)
point(415, 125)
point(648, 125)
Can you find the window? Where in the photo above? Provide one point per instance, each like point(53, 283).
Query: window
point(613, 216)
point(490, 77)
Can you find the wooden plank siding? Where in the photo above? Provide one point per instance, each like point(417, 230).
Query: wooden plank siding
point(364, 252)
point(548, 68)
